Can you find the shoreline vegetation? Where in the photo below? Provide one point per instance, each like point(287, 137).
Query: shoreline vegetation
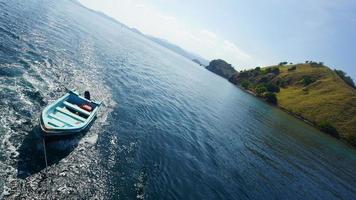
point(310, 91)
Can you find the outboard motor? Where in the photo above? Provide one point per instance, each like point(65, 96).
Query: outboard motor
point(87, 95)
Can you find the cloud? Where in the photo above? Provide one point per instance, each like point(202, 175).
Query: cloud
point(208, 33)
point(140, 5)
point(211, 46)
point(150, 20)
point(229, 46)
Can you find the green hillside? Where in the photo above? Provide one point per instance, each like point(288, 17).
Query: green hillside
point(311, 91)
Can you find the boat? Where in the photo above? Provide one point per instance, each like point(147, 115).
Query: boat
point(70, 114)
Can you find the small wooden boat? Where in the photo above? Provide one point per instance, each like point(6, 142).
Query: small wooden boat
point(68, 115)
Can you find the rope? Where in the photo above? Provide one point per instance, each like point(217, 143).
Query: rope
point(44, 150)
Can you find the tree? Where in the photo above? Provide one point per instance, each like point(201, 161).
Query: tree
point(258, 68)
point(292, 68)
point(282, 63)
point(260, 89)
point(272, 87)
point(271, 98)
point(314, 64)
point(263, 80)
point(340, 73)
point(245, 84)
point(307, 80)
point(348, 80)
point(275, 70)
point(280, 82)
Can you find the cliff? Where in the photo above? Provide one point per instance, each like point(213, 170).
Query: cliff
point(221, 68)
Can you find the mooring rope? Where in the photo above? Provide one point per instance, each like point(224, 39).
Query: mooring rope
point(44, 150)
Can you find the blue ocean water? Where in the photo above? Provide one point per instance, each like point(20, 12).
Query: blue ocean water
point(168, 129)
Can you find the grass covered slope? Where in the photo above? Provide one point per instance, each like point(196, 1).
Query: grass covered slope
point(327, 99)
point(311, 91)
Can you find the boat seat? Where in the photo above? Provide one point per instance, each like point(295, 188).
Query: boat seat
point(67, 112)
point(59, 118)
point(76, 108)
point(55, 123)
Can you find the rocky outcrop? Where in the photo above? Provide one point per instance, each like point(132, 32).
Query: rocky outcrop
point(221, 68)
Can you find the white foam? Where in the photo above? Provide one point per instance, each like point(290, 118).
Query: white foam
point(5, 192)
point(49, 79)
point(91, 139)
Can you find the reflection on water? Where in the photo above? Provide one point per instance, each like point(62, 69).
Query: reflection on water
point(168, 129)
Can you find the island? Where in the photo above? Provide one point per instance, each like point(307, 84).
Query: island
point(310, 91)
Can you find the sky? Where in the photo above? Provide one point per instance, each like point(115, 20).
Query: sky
point(247, 33)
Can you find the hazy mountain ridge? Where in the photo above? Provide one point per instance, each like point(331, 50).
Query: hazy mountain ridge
point(173, 47)
point(178, 49)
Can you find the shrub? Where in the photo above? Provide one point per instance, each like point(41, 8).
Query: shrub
point(263, 80)
point(260, 89)
point(244, 74)
point(275, 70)
point(340, 73)
point(271, 98)
point(292, 68)
point(282, 63)
point(347, 79)
point(264, 71)
point(245, 84)
point(307, 80)
point(327, 127)
point(254, 73)
point(316, 64)
point(272, 87)
point(352, 139)
point(281, 83)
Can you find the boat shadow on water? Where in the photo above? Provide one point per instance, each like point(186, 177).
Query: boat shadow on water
point(31, 158)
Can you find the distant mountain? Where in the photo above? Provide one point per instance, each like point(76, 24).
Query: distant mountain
point(221, 68)
point(197, 61)
point(137, 31)
point(162, 42)
point(178, 50)
point(100, 14)
point(175, 48)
